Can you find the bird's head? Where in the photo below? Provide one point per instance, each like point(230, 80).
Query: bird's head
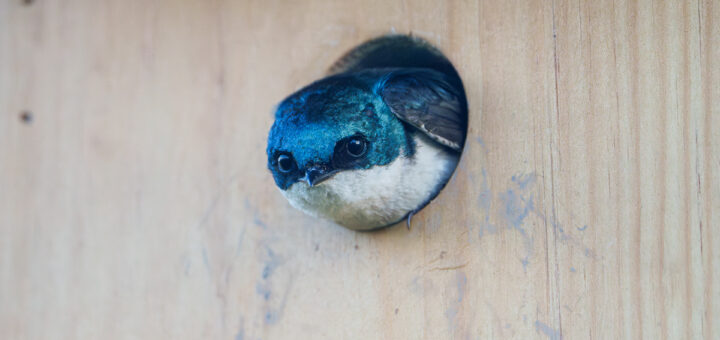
point(334, 125)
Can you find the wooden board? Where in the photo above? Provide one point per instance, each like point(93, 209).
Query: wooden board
point(135, 202)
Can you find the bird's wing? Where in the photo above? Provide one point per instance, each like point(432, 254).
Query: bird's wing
point(425, 99)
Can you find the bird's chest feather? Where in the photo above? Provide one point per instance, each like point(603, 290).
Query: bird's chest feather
point(380, 195)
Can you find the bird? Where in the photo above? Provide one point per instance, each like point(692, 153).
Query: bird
point(368, 148)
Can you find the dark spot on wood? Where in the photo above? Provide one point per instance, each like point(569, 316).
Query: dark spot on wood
point(26, 117)
point(317, 247)
point(356, 247)
point(397, 310)
point(28, 2)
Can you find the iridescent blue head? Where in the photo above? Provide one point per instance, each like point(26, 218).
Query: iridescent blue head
point(336, 124)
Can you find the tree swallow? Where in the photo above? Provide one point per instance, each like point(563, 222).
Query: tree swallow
point(368, 148)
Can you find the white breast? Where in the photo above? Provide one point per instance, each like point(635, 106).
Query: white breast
point(382, 195)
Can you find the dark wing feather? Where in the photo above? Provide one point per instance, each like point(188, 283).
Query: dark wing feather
point(424, 99)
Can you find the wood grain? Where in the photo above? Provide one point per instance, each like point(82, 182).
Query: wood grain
point(136, 203)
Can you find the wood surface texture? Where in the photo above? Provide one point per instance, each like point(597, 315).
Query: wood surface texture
point(135, 202)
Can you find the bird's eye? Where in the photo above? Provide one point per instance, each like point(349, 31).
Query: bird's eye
point(356, 147)
point(350, 152)
point(285, 163)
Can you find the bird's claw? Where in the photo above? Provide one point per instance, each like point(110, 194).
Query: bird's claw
point(409, 219)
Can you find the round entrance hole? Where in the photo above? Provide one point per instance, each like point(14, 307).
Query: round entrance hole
point(376, 140)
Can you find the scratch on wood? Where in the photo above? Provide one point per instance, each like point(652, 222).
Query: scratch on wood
point(450, 268)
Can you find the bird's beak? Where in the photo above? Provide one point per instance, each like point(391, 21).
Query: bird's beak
point(316, 175)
